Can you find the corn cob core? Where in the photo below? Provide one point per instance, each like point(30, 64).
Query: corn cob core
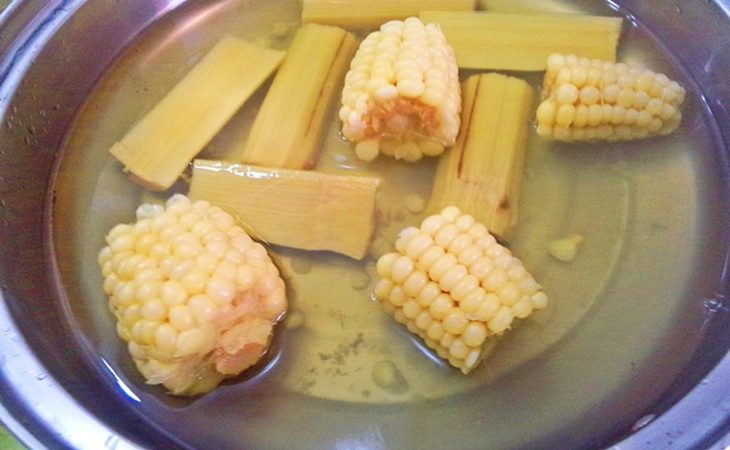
point(589, 99)
point(194, 297)
point(453, 285)
point(402, 95)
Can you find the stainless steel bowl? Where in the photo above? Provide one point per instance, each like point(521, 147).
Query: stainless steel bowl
point(632, 387)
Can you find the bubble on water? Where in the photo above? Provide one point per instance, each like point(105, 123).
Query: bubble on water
point(643, 421)
point(713, 305)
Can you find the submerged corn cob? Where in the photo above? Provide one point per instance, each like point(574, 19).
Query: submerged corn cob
point(482, 172)
point(588, 99)
point(300, 98)
point(402, 94)
point(504, 41)
point(370, 14)
point(453, 285)
point(195, 298)
point(159, 147)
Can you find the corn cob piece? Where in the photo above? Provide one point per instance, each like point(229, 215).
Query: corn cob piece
point(357, 14)
point(482, 172)
point(300, 98)
point(401, 96)
point(505, 41)
point(159, 147)
point(293, 208)
point(589, 99)
point(453, 285)
point(194, 297)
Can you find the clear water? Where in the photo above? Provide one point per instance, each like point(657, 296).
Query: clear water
point(613, 309)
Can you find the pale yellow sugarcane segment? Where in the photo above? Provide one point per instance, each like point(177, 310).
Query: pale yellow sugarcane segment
point(506, 41)
point(292, 120)
point(294, 208)
point(527, 6)
point(482, 172)
point(159, 147)
point(360, 14)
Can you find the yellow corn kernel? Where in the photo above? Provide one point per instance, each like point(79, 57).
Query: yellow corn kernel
point(294, 208)
point(169, 310)
point(402, 96)
point(159, 147)
point(300, 99)
point(589, 99)
point(482, 172)
point(565, 249)
point(506, 41)
point(358, 14)
point(458, 308)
